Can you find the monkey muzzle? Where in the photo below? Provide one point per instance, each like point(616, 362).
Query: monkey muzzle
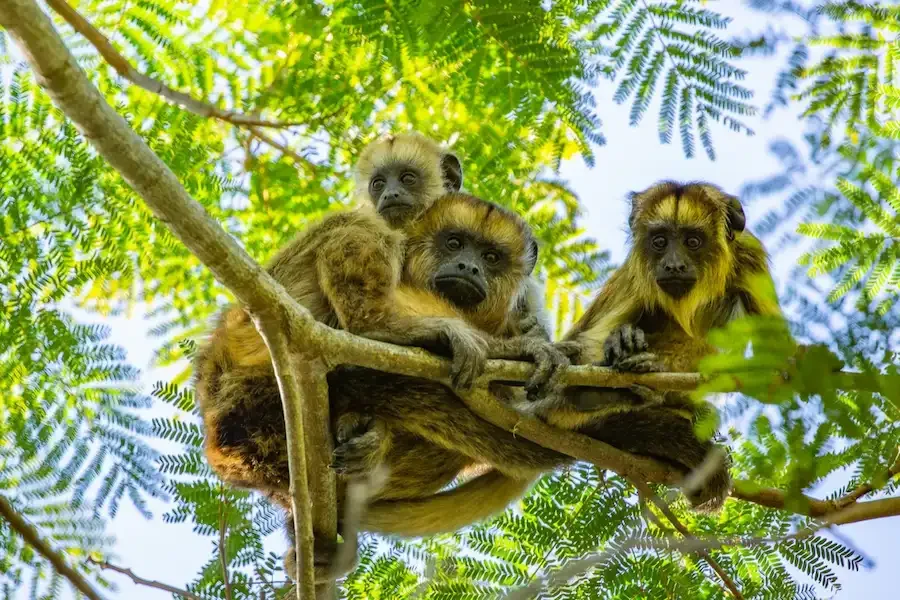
point(462, 290)
point(397, 208)
point(676, 287)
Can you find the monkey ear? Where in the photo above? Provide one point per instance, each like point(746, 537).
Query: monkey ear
point(532, 257)
point(734, 215)
point(451, 170)
point(634, 198)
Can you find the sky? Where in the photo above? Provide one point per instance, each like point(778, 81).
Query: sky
point(632, 159)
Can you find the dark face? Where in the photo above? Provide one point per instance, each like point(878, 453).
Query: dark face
point(398, 192)
point(678, 255)
point(467, 267)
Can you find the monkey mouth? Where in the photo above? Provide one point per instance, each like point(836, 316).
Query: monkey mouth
point(397, 213)
point(676, 287)
point(459, 290)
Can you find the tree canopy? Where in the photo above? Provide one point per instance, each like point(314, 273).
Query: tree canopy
point(259, 109)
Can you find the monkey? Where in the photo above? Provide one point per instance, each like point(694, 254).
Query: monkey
point(465, 259)
point(692, 267)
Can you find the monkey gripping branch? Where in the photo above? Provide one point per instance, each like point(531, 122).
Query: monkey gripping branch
point(285, 325)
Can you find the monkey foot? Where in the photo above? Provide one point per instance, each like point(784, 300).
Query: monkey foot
point(360, 445)
point(323, 560)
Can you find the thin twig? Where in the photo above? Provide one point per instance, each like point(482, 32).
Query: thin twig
point(144, 582)
point(223, 556)
point(647, 493)
point(124, 68)
point(773, 498)
point(32, 537)
point(852, 514)
point(284, 149)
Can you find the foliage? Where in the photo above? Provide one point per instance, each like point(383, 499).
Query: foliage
point(512, 86)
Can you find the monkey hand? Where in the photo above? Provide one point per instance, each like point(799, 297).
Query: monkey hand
point(466, 348)
point(361, 444)
point(468, 353)
point(531, 326)
point(549, 359)
point(626, 350)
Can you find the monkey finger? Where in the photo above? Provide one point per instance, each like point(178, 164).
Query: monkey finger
point(544, 367)
point(639, 339)
point(645, 362)
point(647, 396)
point(612, 349)
point(571, 350)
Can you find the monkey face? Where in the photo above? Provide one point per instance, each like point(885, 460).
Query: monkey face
point(398, 192)
point(466, 266)
point(677, 256)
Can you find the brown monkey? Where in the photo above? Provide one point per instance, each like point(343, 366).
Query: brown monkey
point(466, 261)
point(692, 267)
point(343, 269)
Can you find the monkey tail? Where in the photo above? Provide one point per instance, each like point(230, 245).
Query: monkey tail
point(447, 511)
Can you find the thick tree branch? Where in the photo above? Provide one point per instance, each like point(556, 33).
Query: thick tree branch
point(56, 70)
point(33, 538)
point(290, 387)
point(144, 582)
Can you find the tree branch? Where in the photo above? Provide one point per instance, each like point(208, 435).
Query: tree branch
point(223, 555)
point(805, 505)
point(284, 323)
point(144, 582)
point(647, 493)
point(124, 68)
point(290, 388)
point(56, 70)
point(32, 537)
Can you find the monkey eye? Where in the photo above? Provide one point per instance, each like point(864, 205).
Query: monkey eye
point(454, 243)
point(659, 242)
point(693, 242)
point(377, 184)
point(491, 257)
point(408, 178)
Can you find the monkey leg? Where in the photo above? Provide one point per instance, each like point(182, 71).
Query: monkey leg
point(245, 437)
point(431, 411)
point(660, 433)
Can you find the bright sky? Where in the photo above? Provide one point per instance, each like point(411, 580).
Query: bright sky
point(632, 159)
